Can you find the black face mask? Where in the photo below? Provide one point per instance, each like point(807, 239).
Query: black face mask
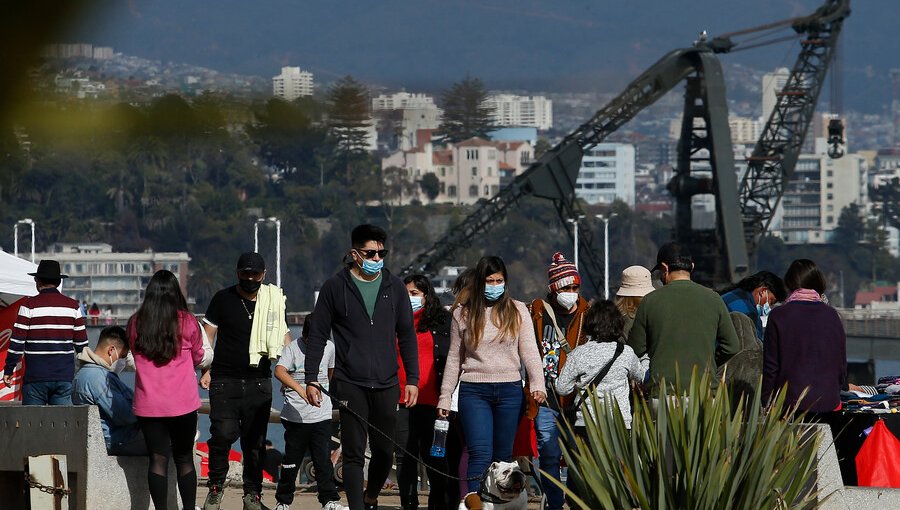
point(249, 286)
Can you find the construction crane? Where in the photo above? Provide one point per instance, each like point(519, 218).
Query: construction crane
point(705, 157)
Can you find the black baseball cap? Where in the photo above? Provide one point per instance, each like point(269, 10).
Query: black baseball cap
point(673, 254)
point(251, 261)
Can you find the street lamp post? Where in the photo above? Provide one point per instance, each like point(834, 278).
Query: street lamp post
point(574, 222)
point(605, 220)
point(277, 223)
point(26, 221)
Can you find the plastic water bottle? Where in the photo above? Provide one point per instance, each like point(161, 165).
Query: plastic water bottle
point(439, 445)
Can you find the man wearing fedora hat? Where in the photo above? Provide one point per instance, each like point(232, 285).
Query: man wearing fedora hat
point(49, 332)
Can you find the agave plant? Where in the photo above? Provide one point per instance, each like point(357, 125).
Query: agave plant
point(696, 451)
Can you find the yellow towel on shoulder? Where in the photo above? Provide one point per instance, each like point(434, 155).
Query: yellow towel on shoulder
point(269, 327)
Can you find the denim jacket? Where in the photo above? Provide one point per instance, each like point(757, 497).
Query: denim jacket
point(97, 385)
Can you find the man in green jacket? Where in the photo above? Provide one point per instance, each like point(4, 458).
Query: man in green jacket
point(682, 325)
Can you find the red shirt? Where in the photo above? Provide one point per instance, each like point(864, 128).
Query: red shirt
point(429, 386)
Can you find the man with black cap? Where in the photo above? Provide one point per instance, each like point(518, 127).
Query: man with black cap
point(683, 323)
point(49, 332)
point(240, 379)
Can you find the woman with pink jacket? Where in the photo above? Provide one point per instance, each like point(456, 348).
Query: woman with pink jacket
point(167, 344)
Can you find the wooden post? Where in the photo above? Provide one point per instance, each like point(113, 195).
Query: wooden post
point(47, 482)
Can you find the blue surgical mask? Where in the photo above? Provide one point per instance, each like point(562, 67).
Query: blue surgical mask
point(493, 292)
point(764, 309)
point(417, 302)
point(370, 267)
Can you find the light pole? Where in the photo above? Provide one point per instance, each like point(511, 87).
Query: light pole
point(605, 220)
point(26, 221)
point(277, 223)
point(574, 222)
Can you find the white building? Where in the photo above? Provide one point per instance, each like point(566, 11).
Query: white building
point(292, 83)
point(521, 111)
point(467, 172)
point(772, 83)
point(607, 174)
point(402, 100)
point(111, 279)
point(818, 191)
point(401, 115)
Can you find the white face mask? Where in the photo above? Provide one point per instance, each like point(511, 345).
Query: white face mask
point(119, 364)
point(567, 299)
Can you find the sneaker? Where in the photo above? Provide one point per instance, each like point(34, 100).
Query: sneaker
point(254, 502)
point(370, 506)
point(334, 505)
point(282, 506)
point(214, 498)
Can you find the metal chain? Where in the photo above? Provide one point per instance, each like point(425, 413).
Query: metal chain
point(56, 491)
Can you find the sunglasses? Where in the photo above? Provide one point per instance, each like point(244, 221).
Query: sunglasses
point(370, 254)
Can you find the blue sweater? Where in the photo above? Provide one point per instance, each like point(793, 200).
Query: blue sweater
point(97, 385)
point(806, 347)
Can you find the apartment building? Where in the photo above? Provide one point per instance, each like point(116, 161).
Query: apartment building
point(607, 174)
point(292, 83)
point(521, 111)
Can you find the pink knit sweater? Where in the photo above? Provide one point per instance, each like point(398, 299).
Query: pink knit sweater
point(495, 360)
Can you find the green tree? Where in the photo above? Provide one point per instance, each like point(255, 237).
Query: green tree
point(466, 113)
point(850, 227)
point(287, 140)
point(349, 118)
point(886, 202)
point(430, 185)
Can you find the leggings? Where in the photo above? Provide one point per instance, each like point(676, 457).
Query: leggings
point(171, 437)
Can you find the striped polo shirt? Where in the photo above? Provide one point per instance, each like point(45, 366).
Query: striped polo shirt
point(49, 331)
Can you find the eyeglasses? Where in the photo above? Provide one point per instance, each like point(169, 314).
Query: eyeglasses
point(370, 254)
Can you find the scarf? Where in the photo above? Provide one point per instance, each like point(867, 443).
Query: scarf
point(804, 295)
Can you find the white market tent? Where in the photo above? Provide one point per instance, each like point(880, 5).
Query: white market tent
point(14, 280)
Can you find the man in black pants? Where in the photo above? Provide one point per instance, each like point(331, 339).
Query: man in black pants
point(368, 311)
point(240, 394)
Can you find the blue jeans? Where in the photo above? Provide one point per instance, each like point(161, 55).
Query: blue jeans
point(47, 393)
point(546, 427)
point(490, 414)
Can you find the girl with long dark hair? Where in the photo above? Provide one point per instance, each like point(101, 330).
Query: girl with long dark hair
point(167, 344)
point(432, 324)
point(491, 337)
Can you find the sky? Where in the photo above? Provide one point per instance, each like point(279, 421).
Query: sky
point(577, 45)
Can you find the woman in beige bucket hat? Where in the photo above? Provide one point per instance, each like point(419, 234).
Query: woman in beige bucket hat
point(636, 283)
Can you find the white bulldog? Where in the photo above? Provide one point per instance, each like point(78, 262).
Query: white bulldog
point(503, 488)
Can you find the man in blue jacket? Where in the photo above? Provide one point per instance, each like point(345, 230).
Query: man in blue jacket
point(97, 383)
point(368, 311)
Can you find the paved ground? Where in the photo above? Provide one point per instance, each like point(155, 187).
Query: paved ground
point(305, 499)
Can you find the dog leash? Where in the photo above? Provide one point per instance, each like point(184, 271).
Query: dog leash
point(343, 404)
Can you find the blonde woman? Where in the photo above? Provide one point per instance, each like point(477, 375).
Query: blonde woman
point(490, 338)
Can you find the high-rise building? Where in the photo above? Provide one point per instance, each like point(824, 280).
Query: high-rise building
point(292, 83)
point(607, 174)
point(819, 189)
point(402, 100)
point(401, 115)
point(521, 111)
point(772, 83)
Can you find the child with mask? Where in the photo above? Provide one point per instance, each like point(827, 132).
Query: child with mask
point(754, 296)
point(491, 337)
point(306, 427)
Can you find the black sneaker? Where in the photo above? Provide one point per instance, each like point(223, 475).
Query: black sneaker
point(371, 506)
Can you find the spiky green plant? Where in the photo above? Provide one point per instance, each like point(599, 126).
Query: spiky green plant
point(695, 452)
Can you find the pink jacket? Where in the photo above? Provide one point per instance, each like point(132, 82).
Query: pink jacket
point(170, 389)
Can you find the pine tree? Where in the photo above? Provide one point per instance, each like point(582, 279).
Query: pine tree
point(349, 118)
point(466, 113)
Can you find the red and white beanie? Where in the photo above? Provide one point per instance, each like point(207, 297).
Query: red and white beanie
point(562, 273)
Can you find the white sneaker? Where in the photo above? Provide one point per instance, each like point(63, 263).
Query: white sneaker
point(335, 505)
point(282, 506)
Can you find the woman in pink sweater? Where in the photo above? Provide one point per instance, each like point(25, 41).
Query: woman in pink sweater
point(167, 344)
point(490, 339)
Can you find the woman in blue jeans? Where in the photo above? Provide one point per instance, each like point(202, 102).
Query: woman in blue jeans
point(490, 339)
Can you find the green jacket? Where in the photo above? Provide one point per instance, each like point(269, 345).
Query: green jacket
point(683, 324)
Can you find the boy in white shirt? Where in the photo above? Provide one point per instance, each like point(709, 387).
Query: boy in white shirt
point(306, 427)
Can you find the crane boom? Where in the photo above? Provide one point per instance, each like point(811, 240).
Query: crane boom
point(772, 162)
